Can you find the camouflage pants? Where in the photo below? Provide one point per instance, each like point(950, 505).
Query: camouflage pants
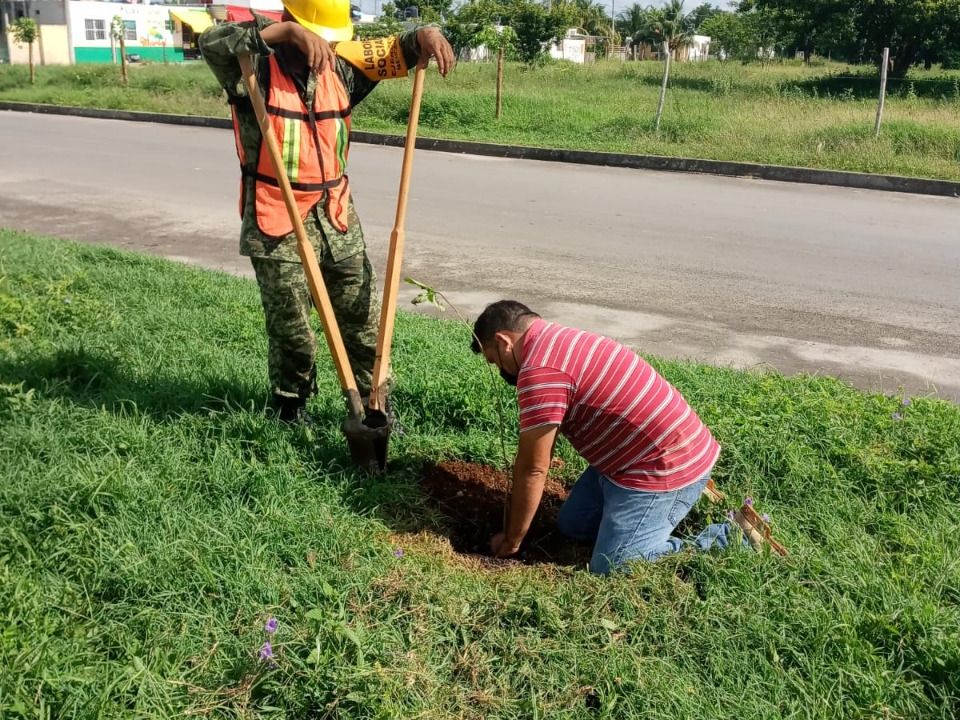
point(352, 286)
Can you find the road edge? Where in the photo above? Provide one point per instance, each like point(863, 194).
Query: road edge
point(780, 173)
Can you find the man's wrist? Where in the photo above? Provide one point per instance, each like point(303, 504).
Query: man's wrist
point(512, 540)
point(275, 33)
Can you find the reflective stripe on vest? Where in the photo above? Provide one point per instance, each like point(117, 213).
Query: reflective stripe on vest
point(314, 147)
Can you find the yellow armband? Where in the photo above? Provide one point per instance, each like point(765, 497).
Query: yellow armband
point(380, 59)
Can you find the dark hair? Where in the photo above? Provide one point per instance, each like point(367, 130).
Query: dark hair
point(501, 316)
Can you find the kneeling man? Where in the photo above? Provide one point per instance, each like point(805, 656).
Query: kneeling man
point(650, 455)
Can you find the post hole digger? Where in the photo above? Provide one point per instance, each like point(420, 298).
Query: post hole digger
point(367, 433)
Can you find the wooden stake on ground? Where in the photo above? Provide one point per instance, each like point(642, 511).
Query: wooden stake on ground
point(663, 88)
point(712, 493)
point(123, 56)
point(500, 81)
point(883, 91)
point(756, 530)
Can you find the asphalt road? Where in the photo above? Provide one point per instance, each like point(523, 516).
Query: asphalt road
point(859, 284)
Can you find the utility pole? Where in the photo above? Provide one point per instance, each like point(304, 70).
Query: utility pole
point(4, 27)
point(613, 23)
point(3, 30)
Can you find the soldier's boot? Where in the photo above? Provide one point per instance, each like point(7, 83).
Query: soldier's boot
point(292, 410)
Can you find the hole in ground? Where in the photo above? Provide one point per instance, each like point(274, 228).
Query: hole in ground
point(472, 497)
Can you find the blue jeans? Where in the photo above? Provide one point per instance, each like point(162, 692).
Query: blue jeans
point(631, 524)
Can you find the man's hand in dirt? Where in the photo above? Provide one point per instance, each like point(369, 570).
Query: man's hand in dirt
point(501, 547)
point(434, 45)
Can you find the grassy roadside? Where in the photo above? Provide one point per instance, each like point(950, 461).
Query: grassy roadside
point(151, 519)
point(782, 114)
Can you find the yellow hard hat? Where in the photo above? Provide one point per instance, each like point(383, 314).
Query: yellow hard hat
point(330, 19)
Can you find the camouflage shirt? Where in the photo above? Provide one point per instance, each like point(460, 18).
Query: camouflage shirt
point(220, 46)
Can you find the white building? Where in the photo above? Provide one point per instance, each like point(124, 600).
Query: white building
point(78, 31)
point(51, 48)
point(699, 48)
point(151, 32)
point(576, 46)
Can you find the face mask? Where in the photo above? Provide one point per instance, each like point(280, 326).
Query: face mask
point(509, 378)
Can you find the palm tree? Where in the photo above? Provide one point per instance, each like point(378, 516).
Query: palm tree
point(674, 30)
point(633, 20)
point(594, 18)
point(638, 23)
point(673, 26)
point(590, 16)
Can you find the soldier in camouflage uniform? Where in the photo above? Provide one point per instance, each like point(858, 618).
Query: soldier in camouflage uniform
point(342, 256)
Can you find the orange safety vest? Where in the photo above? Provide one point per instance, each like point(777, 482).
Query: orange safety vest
point(314, 146)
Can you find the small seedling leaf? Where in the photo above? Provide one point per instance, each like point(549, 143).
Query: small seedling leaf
point(352, 636)
point(427, 296)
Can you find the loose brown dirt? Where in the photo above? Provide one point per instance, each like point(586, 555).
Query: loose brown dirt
point(473, 498)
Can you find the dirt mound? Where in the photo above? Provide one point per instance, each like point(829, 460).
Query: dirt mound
point(473, 497)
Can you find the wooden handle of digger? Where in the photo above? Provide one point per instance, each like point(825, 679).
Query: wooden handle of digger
point(311, 267)
point(391, 284)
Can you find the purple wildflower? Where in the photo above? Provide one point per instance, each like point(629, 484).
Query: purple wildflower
point(730, 515)
point(266, 652)
point(906, 402)
point(398, 552)
point(748, 501)
point(765, 518)
point(897, 416)
point(271, 626)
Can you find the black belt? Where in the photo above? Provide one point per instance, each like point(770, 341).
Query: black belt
point(303, 187)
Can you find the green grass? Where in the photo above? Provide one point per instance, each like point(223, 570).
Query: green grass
point(152, 517)
point(820, 116)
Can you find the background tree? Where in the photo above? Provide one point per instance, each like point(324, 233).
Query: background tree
point(118, 32)
point(535, 27)
point(799, 25)
point(431, 11)
point(672, 26)
point(636, 26)
point(747, 34)
point(593, 18)
point(700, 14)
point(501, 39)
point(385, 26)
point(634, 21)
point(468, 22)
point(25, 31)
point(905, 26)
point(913, 29)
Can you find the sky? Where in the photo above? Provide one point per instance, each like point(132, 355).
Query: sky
point(368, 6)
point(688, 4)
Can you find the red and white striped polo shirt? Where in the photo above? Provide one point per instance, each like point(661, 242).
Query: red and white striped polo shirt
point(617, 411)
